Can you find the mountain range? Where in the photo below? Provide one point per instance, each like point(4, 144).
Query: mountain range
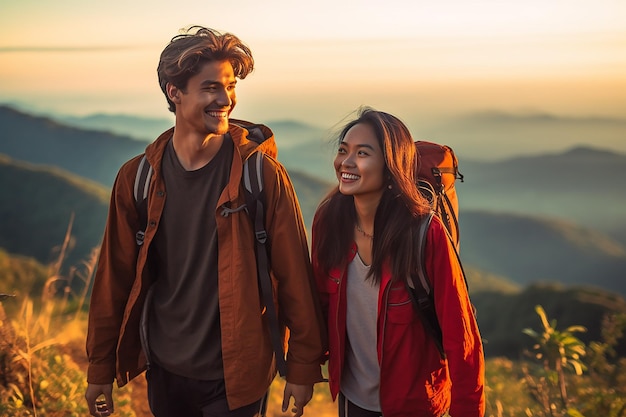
point(482, 136)
point(92, 154)
point(517, 219)
point(521, 245)
point(582, 184)
point(524, 150)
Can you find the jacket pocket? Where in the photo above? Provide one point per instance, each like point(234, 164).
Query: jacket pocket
point(331, 285)
point(400, 309)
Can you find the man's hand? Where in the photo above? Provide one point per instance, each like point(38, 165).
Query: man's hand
point(98, 408)
point(301, 394)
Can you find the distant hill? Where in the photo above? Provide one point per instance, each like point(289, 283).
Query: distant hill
point(491, 135)
point(98, 148)
point(310, 191)
point(479, 280)
point(483, 136)
point(531, 249)
point(289, 133)
point(37, 204)
point(302, 147)
point(502, 316)
point(583, 185)
point(140, 128)
point(91, 154)
point(293, 134)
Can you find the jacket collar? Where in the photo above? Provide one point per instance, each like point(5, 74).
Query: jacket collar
point(386, 276)
point(246, 136)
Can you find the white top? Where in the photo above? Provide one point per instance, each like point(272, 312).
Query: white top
point(361, 372)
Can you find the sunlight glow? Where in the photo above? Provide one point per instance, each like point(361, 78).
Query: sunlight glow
point(85, 57)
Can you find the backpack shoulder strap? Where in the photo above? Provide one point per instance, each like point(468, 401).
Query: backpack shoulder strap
point(421, 244)
point(253, 184)
point(420, 290)
point(140, 193)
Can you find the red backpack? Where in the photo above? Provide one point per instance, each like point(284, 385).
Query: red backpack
point(437, 171)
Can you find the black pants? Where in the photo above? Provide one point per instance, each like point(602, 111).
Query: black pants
point(349, 409)
point(171, 395)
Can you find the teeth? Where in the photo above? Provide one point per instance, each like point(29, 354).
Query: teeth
point(347, 176)
point(217, 113)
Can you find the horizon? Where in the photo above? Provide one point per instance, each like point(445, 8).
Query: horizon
point(434, 65)
point(421, 61)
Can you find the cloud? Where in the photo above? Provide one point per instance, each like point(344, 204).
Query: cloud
point(34, 49)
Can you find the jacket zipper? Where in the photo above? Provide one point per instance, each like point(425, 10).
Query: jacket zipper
point(382, 339)
point(338, 282)
point(143, 325)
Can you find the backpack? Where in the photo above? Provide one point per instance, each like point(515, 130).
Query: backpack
point(252, 180)
point(437, 172)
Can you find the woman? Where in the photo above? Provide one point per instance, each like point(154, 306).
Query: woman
point(382, 362)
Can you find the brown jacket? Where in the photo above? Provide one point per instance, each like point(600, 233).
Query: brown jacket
point(123, 277)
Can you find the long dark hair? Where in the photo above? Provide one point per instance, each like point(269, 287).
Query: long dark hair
point(397, 216)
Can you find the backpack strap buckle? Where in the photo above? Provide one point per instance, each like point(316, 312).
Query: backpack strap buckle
point(139, 237)
point(261, 236)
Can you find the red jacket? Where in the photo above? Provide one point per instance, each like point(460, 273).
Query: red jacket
point(414, 380)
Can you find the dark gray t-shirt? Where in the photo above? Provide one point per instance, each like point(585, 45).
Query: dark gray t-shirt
point(184, 324)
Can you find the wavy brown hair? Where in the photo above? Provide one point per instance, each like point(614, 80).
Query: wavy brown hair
point(399, 210)
point(186, 53)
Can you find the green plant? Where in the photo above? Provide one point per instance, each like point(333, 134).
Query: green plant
point(558, 350)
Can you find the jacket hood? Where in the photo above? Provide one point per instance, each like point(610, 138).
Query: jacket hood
point(246, 136)
point(259, 136)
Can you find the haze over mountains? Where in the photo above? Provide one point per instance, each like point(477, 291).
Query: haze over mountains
point(494, 135)
point(555, 217)
point(482, 136)
point(534, 163)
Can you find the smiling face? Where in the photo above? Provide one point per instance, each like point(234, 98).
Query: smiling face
point(208, 99)
point(360, 163)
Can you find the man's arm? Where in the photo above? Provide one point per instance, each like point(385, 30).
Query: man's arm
point(113, 280)
point(291, 266)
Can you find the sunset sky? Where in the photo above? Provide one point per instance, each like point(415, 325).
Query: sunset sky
point(319, 60)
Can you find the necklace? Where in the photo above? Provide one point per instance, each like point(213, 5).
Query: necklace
point(363, 232)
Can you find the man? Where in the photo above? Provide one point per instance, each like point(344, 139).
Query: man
point(192, 284)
